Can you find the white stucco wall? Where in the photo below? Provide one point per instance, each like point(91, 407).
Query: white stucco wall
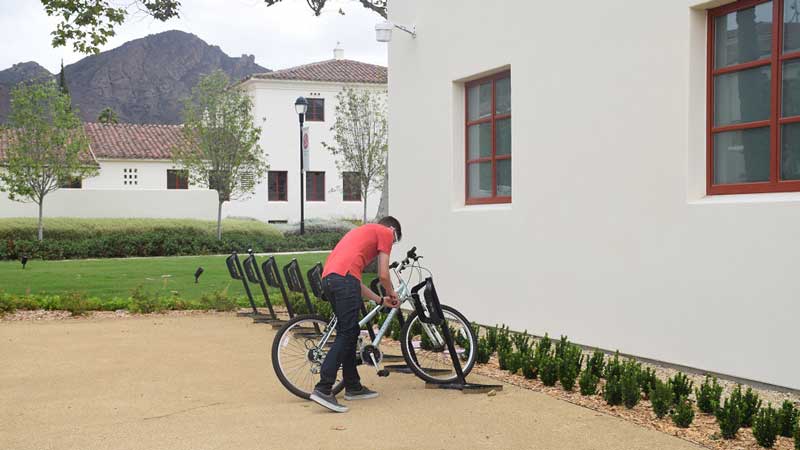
point(274, 101)
point(610, 238)
point(150, 174)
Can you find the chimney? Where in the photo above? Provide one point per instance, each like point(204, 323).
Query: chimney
point(338, 52)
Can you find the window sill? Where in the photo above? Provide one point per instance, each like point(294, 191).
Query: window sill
point(277, 201)
point(777, 197)
point(482, 208)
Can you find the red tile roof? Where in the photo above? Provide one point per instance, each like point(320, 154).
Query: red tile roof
point(7, 137)
point(132, 141)
point(124, 140)
point(332, 70)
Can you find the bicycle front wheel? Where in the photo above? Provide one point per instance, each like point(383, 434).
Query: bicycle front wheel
point(298, 352)
point(426, 352)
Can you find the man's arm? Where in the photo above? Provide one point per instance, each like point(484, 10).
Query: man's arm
point(386, 280)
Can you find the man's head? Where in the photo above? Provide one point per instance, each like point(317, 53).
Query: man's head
point(390, 221)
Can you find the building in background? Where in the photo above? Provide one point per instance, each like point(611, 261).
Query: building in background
point(625, 173)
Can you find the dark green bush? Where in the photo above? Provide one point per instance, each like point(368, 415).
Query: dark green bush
point(561, 345)
point(662, 398)
point(788, 418)
point(681, 385)
point(521, 342)
point(597, 363)
point(683, 415)
point(588, 382)
point(504, 340)
point(483, 352)
point(491, 339)
point(613, 367)
point(612, 392)
point(647, 380)
point(729, 418)
point(766, 426)
point(530, 366)
point(548, 370)
point(749, 404)
point(7, 304)
point(543, 347)
point(630, 384)
point(797, 437)
point(708, 395)
point(570, 365)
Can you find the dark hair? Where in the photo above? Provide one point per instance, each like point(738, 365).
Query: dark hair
point(390, 221)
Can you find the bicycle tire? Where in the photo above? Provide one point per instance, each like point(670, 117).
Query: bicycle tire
point(303, 392)
point(412, 359)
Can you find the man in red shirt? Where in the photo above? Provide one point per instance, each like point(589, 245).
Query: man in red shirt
point(341, 281)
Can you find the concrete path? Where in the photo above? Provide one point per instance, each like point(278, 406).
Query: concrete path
point(206, 382)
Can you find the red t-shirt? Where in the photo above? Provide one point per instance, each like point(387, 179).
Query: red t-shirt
point(358, 248)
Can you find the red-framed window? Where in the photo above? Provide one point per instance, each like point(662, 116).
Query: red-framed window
point(753, 141)
point(316, 110)
point(488, 139)
point(177, 179)
point(315, 186)
point(276, 186)
point(351, 187)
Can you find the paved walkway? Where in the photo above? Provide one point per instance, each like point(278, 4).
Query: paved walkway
point(206, 382)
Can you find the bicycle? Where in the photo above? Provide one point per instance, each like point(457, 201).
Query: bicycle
point(299, 347)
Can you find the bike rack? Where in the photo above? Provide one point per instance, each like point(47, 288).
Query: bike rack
point(273, 278)
point(296, 284)
point(254, 276)
point(236, 272)
point(435, 316)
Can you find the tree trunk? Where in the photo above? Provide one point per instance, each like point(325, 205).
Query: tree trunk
point(383, 206)
point(41, 227)
point(364, 219)
point(219, 221)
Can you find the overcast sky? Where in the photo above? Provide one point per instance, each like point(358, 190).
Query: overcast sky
point(284, 35)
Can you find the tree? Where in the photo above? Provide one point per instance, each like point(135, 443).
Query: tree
point(47, 145)
point(89, 23)
point(107, 115)
point(220, 147)
point(360, 135)
point(62, 80)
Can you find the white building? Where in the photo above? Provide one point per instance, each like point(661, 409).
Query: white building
point(137, 177)
point(629, 206)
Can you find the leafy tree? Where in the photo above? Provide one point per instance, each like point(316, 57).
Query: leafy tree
point(88, 24)
point(220, 147)
point(47, 147)
point(360, 135)
point(62, 80)
point(107, 115)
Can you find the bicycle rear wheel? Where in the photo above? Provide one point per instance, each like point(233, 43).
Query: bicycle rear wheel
point(297, 355)
point(427, 354)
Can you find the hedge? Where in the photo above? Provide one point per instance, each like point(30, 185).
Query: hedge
point(67, 238)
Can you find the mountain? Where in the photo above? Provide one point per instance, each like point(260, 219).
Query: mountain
point(143, 81)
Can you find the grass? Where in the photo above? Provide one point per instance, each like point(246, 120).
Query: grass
point(116, 278)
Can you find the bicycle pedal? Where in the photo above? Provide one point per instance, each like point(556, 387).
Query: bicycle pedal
point(383, 373)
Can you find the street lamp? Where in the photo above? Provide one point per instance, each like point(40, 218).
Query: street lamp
point(301, 105)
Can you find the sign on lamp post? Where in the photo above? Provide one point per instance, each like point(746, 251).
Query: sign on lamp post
point(306, 154)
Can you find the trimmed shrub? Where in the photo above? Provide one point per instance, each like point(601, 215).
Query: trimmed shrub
point(612, 392)
point(630, 384)
point(7, 304)
point(766, 426)
point(76, 303)
point(788, 417)
point(144, 302)
point(218, 301)
point(510, 360)
point(570, 366)
point(647, 380)
point(491, 338)
point(662, 398)
point(561, 345)
point(683, 416)
point(503, 340)
point(708, 395)
point(483, 352)
point(548, 370)
point(749, 404)
point(597, 363)
point(681, 385)
point(729, 418)
point(613, 367)
point(543, 347)
point(797, 437)
point(530, 367)
point(588, 382)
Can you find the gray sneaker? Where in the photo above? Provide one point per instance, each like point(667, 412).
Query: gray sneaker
point(361, 394)
point(328, 401)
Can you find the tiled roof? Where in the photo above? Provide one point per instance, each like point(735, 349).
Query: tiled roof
point(7, 137)
point(332, 70)
point(124, 141)
point(132, 141)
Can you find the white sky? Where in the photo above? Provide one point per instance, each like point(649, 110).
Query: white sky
point(284, 35)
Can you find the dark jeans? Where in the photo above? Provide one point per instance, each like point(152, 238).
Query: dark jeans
point(344, 293)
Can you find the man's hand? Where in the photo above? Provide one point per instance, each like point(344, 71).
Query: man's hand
point(391, 302)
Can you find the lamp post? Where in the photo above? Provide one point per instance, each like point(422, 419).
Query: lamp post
point(301, 105)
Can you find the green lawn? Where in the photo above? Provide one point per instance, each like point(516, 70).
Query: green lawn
point(115, 278)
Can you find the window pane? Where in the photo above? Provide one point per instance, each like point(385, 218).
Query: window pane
point(743, 36)
point(741, 156)
point(479, 179)
point(791, 25)
point(504, 178)
point(502, 136)
point(479, 101)
point(790, 91)
point(741, 97)
point(790, 152)
point(480, 141)
point(503, 91)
